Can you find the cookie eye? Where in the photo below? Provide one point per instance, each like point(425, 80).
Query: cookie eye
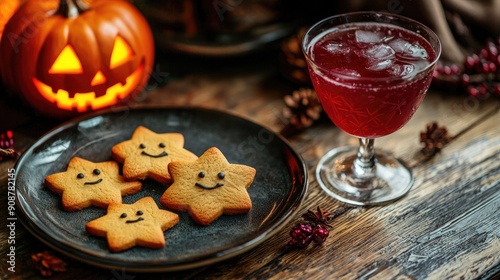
point(142, 146)
point(123, 215)
point(162, 145)
point(221, 175)
point(80, 176)
point(139, 213)
point(96, 171)
point(201, 174)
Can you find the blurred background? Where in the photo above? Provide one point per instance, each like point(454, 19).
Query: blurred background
point(228, 27)
point(235, 36)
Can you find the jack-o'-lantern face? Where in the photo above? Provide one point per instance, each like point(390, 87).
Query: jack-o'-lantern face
point(65, 57)
point(69, 85)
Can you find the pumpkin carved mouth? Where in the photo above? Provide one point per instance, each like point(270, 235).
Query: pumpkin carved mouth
point(82, 100)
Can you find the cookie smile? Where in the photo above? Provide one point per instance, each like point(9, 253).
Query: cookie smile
point(162, 154)
point(208, 188)
point(135, 221)
point(93, 183)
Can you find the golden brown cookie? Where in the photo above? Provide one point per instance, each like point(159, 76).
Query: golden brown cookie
point(87, 183)
point(147, 154)
point(129, 225)
point(209, 187)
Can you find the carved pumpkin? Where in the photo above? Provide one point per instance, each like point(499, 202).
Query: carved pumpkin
point(67, 57)
point(7, 9)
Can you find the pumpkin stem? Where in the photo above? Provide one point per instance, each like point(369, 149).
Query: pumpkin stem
point(71, 8)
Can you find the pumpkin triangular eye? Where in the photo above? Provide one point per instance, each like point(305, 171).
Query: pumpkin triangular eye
point(122, 52)
point(67, 62)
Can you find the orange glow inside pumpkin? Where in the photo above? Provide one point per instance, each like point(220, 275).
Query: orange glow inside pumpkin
point(67, 62)
point(121, 54)
point(98, 79)
point(7, 9)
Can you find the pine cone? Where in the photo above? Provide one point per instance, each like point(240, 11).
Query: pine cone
point(292, 60)
point(302, 108)
point(434, 139)
point(47, 263)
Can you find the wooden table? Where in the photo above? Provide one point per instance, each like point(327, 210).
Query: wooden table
point(447, 227)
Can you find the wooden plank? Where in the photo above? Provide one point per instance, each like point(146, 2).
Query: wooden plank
point(275, 261)
point(446, 223)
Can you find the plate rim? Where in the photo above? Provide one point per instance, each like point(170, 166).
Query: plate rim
point(210, 258)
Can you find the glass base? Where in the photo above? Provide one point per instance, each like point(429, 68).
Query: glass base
point(335, 175)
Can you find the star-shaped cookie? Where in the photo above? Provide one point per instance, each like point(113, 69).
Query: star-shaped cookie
point(129, 225)
point(86, 183)
point(147, 154)
point(209, 187)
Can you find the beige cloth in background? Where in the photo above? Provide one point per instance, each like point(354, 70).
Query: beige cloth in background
point(460, 24)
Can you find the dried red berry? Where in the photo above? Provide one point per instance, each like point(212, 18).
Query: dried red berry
point(300, 243)
point(7, 145)
point(301, 235)
point(496, 89)
point(472, 91)
point(320, 233)
point(7, 140)
point(465, 79)
point(301, 231)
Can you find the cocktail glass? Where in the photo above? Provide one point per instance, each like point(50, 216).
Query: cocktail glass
point(370, 71)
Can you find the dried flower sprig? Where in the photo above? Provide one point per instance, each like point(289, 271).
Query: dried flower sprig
point(47, 263)
point(8, 153)
point(434, 138)
point(7, 145)
point(314, 228)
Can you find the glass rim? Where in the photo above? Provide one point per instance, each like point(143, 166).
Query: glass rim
point(387, 15)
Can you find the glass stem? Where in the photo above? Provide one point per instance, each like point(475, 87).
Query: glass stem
point(364, 168)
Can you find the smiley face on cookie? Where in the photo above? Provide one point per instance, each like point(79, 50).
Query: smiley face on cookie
point(147, 154)
point(139, 224)
point(161, 145)
point(209, 187)
point(87, 183)
point(95, 172)
point(219, 179)
point(139, 213)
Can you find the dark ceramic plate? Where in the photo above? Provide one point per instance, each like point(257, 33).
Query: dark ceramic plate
point(278, 189)
point(215, 44)
point(226, 45)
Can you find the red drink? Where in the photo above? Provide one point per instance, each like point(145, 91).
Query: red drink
point(371, 71)
point(370, 77)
